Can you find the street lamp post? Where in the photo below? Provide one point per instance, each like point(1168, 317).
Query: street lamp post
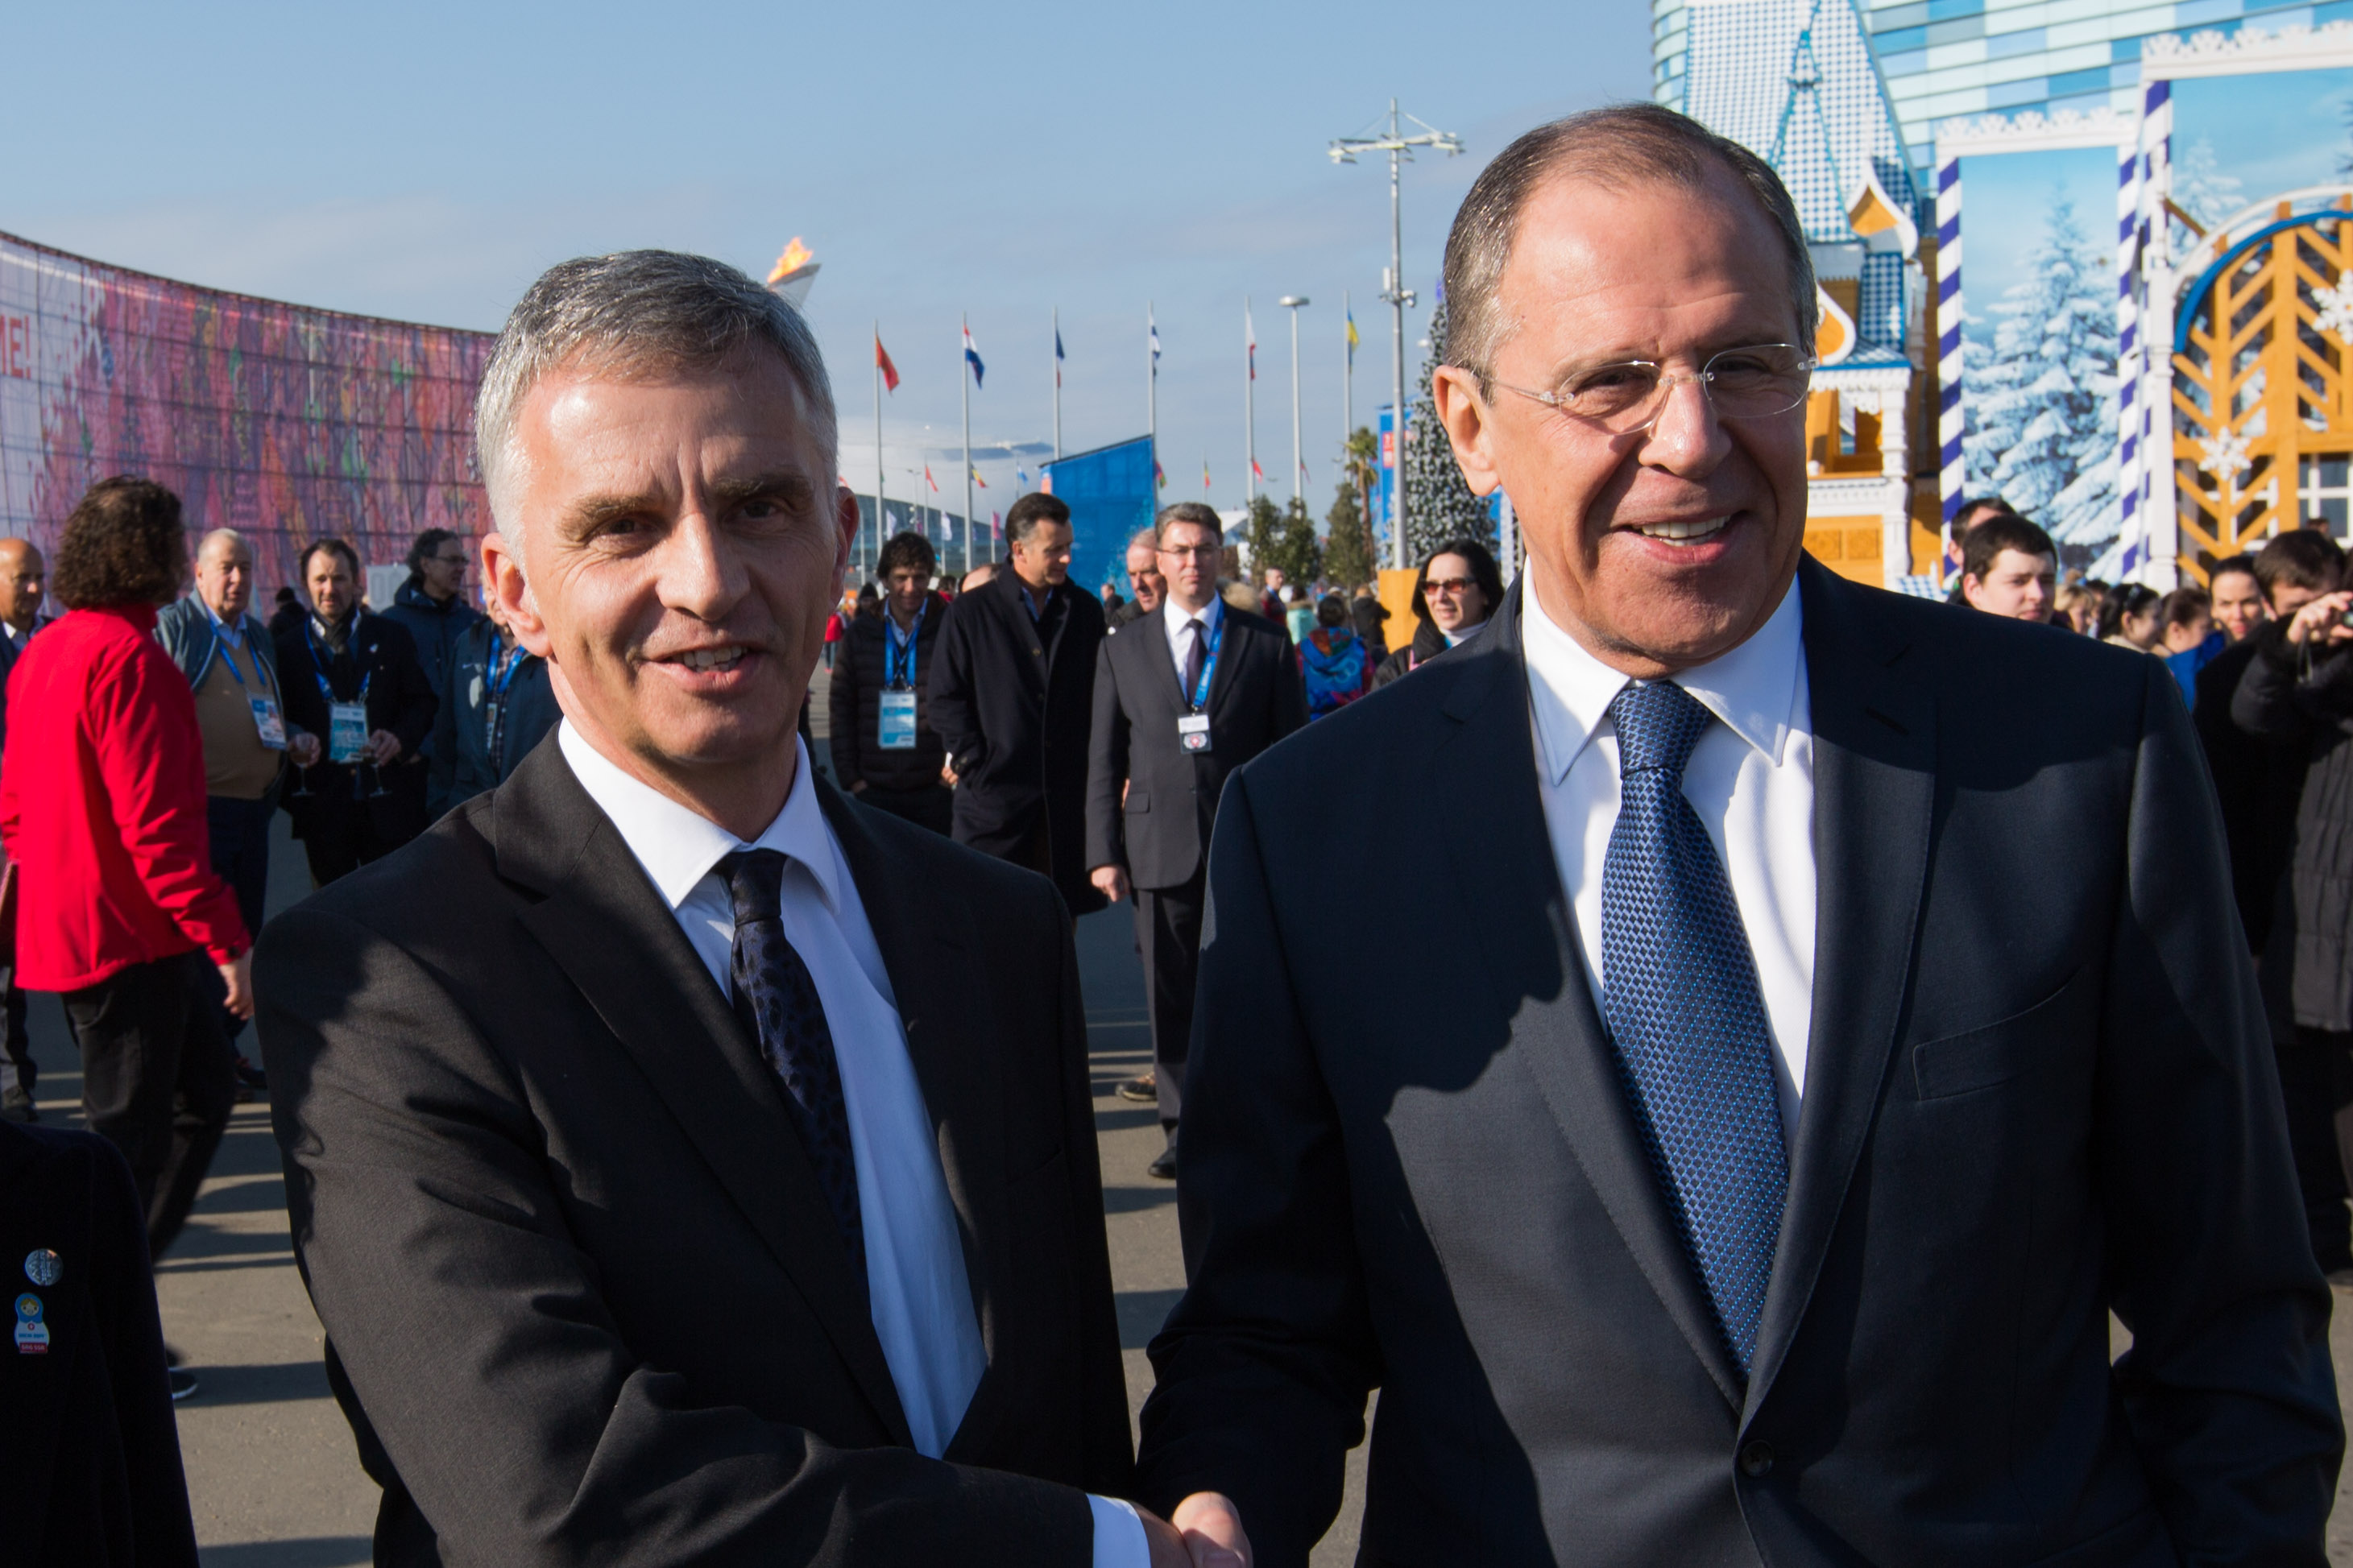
point(1293, 302)
point(1399, 147)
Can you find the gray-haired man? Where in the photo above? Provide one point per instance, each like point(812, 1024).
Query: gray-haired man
point(709, 1153)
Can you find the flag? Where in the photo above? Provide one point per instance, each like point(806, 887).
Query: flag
point(984, 483)
point(1059, 356)
point(1205, 475)
point(1159, 479)
point(929, 481)
point(1353, 339)
point(1250, 341)
point(882, 362)
point(996, 521)
point(1021, 478)
point(1256, 472)
point(1152, 332)
point(972, 357)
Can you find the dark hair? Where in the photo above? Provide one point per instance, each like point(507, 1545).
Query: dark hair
point(2230, 564)
point(2124, 599)
point(351, 557)
point(1994, 504)
point(1483, 570)
point(123, 544)
point(1983, 544)
point(428, 544)
point(2301, 558)
point(1623, 145)
point(907, 550)
point(2184, 606)
point(1331, 610)
point(1190, 511)
point(285, 594)
point(1031, 510)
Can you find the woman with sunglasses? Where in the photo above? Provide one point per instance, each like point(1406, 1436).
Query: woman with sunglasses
point(1458, 588)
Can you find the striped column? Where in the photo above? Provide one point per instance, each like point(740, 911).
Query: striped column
point(2128, 341)
point(1952, 477)
point(2150, 552)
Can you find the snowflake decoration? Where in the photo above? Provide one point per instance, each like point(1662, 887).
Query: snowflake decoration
point(2336, 303)
point(2225, 456)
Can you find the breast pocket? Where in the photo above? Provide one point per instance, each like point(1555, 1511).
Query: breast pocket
point(1993, 1055)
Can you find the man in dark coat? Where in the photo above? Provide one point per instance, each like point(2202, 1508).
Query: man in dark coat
point(1012, 699)
point(1161, 751)
point(367, 799)
point(883, 747)
point(431, 605)
point(495, 704)
point(90, 1453)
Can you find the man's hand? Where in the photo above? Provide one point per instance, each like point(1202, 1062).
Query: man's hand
point(2322, 619)
point(858, 786)
point(304, 747)
point(948, 774)
point(1207, 1534)
point(238, 973)
point(384, 746)
point(1112, 881)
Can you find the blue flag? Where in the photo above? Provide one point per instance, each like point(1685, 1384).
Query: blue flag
point(972, 357)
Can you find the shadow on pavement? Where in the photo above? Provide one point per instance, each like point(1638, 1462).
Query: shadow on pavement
point(1141, 1314)
point(267, 1384)
point(310, 1552)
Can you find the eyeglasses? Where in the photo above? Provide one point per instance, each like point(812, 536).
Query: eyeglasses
point(1200, 552)
point(1449, 586)
point(1754, 383)
point(453, 560)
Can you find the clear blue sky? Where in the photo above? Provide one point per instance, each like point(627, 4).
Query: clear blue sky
point(425, 160)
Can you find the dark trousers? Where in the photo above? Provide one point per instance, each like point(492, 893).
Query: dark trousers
point(1168, 935)
point(240, 848)
point(931, 807)
point(157, 1080)
point(17, 1069)
point(2316, 1089)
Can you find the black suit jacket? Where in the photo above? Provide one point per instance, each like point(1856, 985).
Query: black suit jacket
point(1013, 713)
point(2037, 1087)
point(583, 1296)
point(1161, 832)
point(89, 1452)
point(379, 657)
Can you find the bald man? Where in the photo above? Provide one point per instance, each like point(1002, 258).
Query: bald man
point(22, 572)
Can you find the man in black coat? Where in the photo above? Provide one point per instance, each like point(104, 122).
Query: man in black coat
point(884, 748)
point(687, 1163)
point(1183, 697)
point(352, 679)
point(89, 1452)
point(1825, 1010)
point(1012, 697)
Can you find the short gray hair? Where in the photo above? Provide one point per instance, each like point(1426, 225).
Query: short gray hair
point(1190, 511)
point(232, 535)
point(640, 310)
point(1625, 145)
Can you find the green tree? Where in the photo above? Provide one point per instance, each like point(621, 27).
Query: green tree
point(1348, 554)
point(1298, 552)
point(1439, 505)
point(1263, 533)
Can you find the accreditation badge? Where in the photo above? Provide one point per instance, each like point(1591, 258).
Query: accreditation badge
point(346, 733)
point(32, 1334)
point(268, 721)
point(1193, 732)
point(898, 722)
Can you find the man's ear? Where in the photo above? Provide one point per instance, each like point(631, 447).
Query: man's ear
point(1464, 413)
point(502, 572)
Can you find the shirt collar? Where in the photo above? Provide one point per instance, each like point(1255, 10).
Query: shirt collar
point(677, 846)
point(1753, 689)
point(1209, 615)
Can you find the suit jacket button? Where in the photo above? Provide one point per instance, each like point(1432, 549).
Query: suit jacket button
point(1756, 1459)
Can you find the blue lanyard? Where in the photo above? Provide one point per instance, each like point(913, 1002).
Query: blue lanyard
point(899, 672)
point(318, 664)
point(1208, 667)
point(502, 674)
point(223, 636)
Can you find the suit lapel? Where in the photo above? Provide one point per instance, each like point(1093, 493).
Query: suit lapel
point(1485, 786)
point(960, 1073)
point(602, 923)
point(1874, 724)
point(1015, 612)
point(1233, 647)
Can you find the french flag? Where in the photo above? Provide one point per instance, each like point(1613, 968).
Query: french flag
point(972, 358)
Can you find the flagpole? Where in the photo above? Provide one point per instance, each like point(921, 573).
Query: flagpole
point(1347, 370)
point(1058, 383)
point(878, 440)
point(1250, 406)
point(963, 385)
point(1151, 388)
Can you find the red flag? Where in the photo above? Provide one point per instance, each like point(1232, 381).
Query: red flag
point(882, 362)
point(929, 481)
point(1257, 473)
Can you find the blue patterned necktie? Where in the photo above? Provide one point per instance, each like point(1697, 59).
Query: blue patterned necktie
point(777, 1000)
point(1687, 1017)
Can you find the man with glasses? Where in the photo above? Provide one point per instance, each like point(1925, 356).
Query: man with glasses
point(1841, 1016)
point(1174, 713)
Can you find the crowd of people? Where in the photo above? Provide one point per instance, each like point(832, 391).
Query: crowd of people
point(1824, 1008)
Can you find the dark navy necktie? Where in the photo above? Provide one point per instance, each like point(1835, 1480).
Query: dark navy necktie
point(1194, 659)
point(1687, 1015)
point(777, 1000)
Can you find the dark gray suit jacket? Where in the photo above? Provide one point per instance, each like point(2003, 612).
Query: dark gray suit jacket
point(2037, 1087)
point(1161, 832)
point(583, 1297)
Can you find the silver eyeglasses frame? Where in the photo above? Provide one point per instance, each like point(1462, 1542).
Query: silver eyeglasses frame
point(1646, 414)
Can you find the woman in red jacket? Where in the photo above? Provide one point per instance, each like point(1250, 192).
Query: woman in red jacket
point(102, 810)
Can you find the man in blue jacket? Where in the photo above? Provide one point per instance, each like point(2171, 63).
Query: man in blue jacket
point(431, 606)
point(496, 705)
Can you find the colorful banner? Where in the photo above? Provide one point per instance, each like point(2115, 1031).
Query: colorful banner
point(285, 423)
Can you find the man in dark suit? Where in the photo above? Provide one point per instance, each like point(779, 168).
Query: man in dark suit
point(879, 739)
point(687, 1163)
point(1182, 699)
point(23, 573)
point(1011, 700)
point(1826, 1009)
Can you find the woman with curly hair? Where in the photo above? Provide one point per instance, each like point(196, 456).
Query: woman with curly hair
point(102, 810)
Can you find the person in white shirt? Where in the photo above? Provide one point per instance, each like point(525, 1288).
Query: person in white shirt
point(687, 1161)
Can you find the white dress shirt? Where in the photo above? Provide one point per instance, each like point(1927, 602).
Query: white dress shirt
point(921, 1300)
point(1180, 641)
point(1750, 780)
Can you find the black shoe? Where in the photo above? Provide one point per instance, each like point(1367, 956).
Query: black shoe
point(1163, 1167)
point(16, 1105)
point(1144, 1089)
point(252, 1076)
point(183, 1384)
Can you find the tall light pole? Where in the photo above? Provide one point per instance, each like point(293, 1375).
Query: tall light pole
point(1293, 303)
point(1399, 147)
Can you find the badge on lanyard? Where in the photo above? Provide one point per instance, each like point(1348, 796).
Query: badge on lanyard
point(1193, 732)
point(898, 723)
point(346, 731)
point(32, 1334)
point(268, 721)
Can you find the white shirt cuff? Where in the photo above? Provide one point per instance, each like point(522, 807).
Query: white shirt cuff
point(1119, 1535)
